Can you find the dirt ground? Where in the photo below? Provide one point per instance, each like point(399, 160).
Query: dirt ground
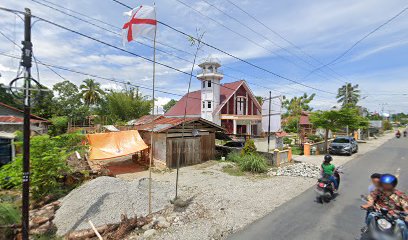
point(223, 203)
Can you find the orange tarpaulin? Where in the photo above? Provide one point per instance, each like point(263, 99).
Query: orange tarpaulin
point(115, 144)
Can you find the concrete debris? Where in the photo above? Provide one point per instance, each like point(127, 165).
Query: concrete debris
point(297, 170)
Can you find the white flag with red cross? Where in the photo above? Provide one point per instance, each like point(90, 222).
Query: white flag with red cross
point(142, 22)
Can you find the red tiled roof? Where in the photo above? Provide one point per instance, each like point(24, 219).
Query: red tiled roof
point(14, 119)
point(18, 110)
point(304, 120)
point(281, 134)
point(194, 100)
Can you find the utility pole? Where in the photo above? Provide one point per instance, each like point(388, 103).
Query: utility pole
point(26, 62)
point(346, 100)
point(269, 119)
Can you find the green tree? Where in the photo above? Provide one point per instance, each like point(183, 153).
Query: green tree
point(6, 97)
point(68, 101)
point(43, 104)
point(348, 95)
point(91, 92)
point(169, 104)
point(296, 105)
point(259, 99)
point(124, 105)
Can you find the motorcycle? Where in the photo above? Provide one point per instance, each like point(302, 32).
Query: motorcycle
point(325, 188)
point(383, 226)
point(398, 134)
point(405, 133)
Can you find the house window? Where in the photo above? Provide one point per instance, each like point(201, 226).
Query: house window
point(203, 84)
point(209, 84)
point(203, 104)
point(209, 104)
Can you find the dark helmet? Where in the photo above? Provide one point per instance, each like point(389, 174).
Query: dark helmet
point(389, 179)
point(328, 158)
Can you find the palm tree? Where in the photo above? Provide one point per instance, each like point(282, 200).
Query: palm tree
point(348, 95)
point(91, 92)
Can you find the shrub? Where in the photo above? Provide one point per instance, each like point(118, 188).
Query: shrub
point(48, 164)
point(287, 140)
point(9, 214)
point(387, 125)
point(249, 147)
point(315, 138)
point(59, 125)
point(253, 163)
point(234, 157)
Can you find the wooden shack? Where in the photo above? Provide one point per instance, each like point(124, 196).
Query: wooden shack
point(195, 144)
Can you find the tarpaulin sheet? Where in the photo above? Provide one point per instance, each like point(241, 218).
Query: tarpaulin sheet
point(115, 144)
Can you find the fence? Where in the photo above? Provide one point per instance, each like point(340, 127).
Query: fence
point(275, 158)
point(315, 148)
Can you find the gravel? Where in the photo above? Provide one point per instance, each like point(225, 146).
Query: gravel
point(297, 170)
point(222, 203)
point(104, 199)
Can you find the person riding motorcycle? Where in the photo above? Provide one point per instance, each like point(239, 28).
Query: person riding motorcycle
point(328, 169)
point(405, 132)
point(387, 196)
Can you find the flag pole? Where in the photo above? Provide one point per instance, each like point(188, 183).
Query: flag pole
point(151, 132)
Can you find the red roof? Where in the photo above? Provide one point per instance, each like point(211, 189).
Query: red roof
point(281, 134)
point(194, 100)
point(304, 119)
point(144, 119)
point(165, 123)
point(14, 119)
point(18, 110)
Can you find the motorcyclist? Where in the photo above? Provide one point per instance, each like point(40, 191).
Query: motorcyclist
point(405, 132)
point(398, 133)
point(387, 196)
point(328, 169)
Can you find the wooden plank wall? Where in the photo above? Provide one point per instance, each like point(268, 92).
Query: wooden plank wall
point(187, 150)
point(207, 147)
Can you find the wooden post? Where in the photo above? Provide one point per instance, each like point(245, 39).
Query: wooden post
point(306, 149)
point(289, 154)
point(276, 156)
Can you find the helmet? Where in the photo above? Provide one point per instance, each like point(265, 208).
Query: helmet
point(389, 179)
point(328, 158)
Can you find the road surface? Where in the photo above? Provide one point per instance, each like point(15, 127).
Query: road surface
point(304, 218)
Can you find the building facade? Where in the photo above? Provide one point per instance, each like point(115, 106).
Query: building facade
point(230, 105)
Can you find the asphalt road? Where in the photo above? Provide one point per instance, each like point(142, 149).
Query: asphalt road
point(304, 218)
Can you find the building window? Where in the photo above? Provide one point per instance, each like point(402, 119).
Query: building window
point(241, 106)
point(209, 84)
point(203, 84)
point(209, 104)
point(203, 104)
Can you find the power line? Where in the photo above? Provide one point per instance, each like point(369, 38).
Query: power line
point(240, 59)
point(168, 53)
point(282, 37)
point(361, 39)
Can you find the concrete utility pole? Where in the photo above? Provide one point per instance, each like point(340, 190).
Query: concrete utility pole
point(26, 62)
point(346, 100)
point(269, 119)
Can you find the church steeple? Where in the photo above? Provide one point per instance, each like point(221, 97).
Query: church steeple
point(210, 77)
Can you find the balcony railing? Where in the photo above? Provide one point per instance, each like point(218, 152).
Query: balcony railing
point(207, 71)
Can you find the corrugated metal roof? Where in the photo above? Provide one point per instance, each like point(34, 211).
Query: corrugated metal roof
point(144, 120)
point(165, 123)
point(18, 110)
point(14, 119)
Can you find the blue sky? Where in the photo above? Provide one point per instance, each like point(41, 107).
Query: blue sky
point(321, 28)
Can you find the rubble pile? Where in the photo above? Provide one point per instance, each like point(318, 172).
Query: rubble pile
point(41, 219)
point(297, 170)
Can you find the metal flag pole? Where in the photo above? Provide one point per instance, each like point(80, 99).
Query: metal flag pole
point(26, 62)
point(269, 119)
point(151, 132)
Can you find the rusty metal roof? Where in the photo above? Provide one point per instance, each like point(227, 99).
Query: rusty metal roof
point(165, 123)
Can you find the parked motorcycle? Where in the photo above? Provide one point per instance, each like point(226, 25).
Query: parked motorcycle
point(325, 188)
point(384, 227)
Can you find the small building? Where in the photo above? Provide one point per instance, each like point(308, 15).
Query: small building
point(12, 119)
point(196, 144)
point(7, 150)
point(231, 105)
point(306, 127)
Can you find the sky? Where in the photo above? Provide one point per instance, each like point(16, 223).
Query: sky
point(293, 41)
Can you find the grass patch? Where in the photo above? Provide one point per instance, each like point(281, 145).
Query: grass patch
point(233, 170)
point(296, 150)
point(9, 214)
point(253, 163)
